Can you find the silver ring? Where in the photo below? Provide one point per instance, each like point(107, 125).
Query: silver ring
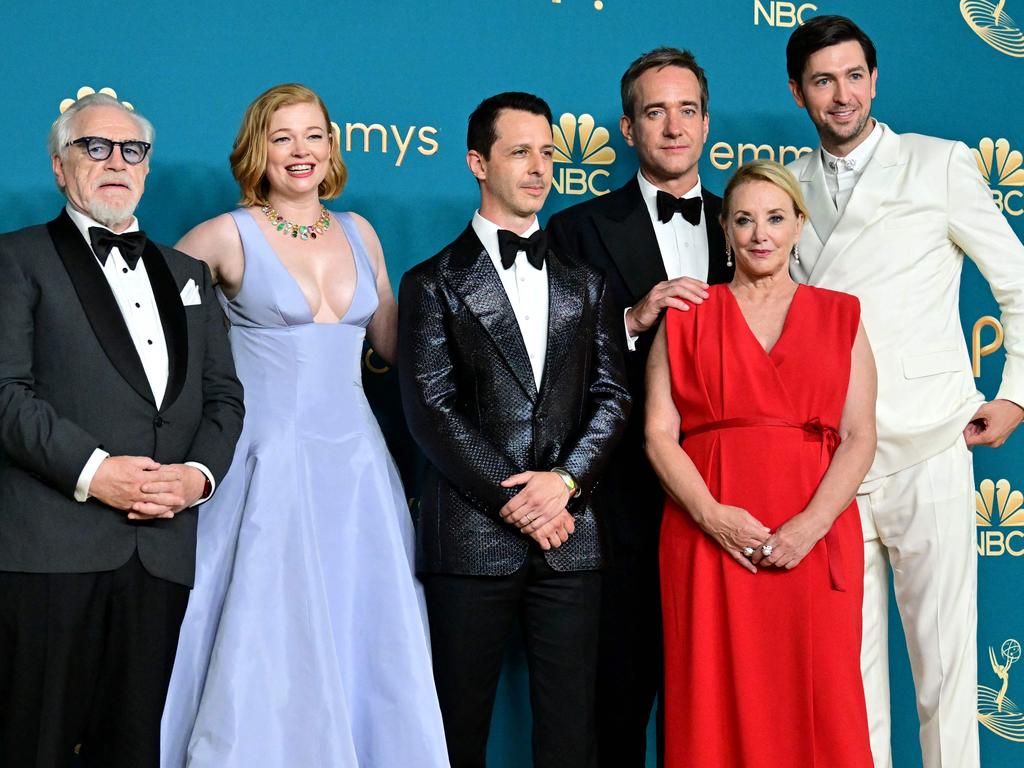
point(748, 551)
point(766, 550)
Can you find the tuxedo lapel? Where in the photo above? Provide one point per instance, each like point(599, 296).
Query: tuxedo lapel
point(98, 302)
point(472, 276)
point(718, 272)
point(819, 203)
point(628, 235)
point(871, 189)
point(172, 317)
point(565, 309)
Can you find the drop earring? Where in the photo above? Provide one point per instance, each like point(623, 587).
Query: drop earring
point(728, 255)
point(796, 253)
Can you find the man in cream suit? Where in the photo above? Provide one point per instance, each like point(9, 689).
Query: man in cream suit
point(892, 217)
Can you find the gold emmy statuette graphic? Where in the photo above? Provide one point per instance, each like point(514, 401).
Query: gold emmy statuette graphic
point(993, 24)
point(980, 350)
point(85, 90)
point(593, 150)
point(371, 366)
point(996, 711)
point(598, 4)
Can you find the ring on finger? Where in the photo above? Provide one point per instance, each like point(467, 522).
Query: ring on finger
point(748, 551)
point(766, 550)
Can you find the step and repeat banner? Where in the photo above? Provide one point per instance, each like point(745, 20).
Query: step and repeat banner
point(400, 78)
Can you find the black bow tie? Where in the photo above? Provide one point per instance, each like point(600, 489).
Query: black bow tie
point(509, 244)
point(130, 244)
point(669, 206)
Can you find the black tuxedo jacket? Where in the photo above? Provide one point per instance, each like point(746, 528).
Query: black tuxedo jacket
point(614, 233)
point(71, 381)
point(474, 408)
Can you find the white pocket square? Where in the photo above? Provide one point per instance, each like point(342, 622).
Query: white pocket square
point(190, 294)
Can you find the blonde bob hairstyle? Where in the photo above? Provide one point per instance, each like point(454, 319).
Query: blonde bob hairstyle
point(764, 170)
point(249, 154)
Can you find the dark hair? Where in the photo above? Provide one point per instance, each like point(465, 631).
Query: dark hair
point(482, 134)
point(822, 32)
point(660, 58)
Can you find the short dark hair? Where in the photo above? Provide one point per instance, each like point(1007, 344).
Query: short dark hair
point(660, 58)
point(482, 133)
point(822, 32)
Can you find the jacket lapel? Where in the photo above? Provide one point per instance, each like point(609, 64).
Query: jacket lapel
point(172, 317)
point(819, 203)
point(472, 276)
point(98, 302)
point(565, 310)
point(872, 188)
point(628, 235)
point(718, 272)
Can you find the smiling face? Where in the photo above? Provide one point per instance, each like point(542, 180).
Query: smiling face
point(836, 89)
point(762, 226)
point(516, 176)
point(298, 151)
point(107, 190)
point(668, 129)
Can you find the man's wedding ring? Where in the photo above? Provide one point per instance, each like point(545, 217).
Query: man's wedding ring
point(748, 551)
point(766, 550)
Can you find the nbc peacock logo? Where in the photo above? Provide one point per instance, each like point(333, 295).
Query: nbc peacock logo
point(993, 24)
point(996, 710)
point(1002, 166)
point(580, 141)
point(999, 511)
point(86, 90)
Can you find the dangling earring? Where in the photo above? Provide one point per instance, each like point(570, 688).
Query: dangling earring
point(796, 253)
point(728, 255)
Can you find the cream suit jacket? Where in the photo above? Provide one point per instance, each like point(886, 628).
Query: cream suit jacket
point(919, 207)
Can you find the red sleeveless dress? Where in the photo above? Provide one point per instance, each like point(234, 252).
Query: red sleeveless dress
point(762, 669)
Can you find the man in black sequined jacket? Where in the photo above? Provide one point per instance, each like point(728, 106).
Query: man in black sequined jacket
point(514, 386)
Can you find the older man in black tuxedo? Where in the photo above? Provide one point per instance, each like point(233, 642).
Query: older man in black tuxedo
point(658, 241)
point(513, 383)
point(119, 410)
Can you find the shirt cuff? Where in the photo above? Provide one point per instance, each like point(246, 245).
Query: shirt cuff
point(88, 473)
point(630, 340)
point(209, 478)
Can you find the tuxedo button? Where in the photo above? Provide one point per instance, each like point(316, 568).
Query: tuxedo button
point(158, 421)
point(125, 270)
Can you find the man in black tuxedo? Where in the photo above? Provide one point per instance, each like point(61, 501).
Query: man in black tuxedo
point(119, 410)
point(513, 385)
point(658, 241)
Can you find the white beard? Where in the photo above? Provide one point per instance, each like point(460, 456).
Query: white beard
point(112, 216)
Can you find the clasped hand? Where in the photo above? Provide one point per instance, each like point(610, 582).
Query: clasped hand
point(144, 488)
point(538, 510)
point(735, 528)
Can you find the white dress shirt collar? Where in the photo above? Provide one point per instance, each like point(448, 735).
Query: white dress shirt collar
point(487, 231)
point(83, 222)
point(858, 158)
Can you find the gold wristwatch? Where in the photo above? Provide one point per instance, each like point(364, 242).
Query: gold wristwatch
point(569, 480)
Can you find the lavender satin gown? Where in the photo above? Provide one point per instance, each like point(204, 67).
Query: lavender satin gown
point(305, 642)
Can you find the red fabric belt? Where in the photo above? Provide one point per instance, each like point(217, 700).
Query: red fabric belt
point(830, 440)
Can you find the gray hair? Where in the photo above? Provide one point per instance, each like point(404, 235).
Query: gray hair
point(60, 131)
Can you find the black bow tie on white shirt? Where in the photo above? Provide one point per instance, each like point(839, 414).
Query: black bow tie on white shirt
point(130, 244)
point(509, 244)
point(669, 206)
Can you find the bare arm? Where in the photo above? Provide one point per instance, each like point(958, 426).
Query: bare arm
point(795, 538)
point(216, 241)
point(383, 329)
point(733, 528)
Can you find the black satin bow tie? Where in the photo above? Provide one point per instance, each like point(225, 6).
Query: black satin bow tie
point(669, 206)
point(509, 244)
point(130, 244)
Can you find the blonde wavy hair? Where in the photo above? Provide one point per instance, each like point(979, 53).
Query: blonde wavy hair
point(773, 173)
point(249, 154)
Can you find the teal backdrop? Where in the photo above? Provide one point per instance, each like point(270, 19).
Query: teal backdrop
point(400, 78)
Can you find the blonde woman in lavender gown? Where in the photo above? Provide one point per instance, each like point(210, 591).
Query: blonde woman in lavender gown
point(305, 641)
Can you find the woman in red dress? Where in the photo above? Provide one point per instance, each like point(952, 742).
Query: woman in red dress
point(771, 386)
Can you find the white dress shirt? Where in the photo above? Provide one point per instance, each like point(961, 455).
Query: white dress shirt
point(683, 246)
point(527, 291)
point(134, 295)
point(842, 173)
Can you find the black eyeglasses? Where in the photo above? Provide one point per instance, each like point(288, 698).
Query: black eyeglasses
point(98, 148)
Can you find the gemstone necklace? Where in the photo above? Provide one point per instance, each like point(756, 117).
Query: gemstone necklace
point(300, 231)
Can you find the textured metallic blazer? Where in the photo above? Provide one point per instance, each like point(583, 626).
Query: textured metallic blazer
point(473, 407)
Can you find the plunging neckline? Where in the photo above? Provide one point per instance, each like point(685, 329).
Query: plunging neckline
point(295, 283)
point(750, 331)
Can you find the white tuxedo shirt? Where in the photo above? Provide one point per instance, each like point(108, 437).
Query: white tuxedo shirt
point(920, 206)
